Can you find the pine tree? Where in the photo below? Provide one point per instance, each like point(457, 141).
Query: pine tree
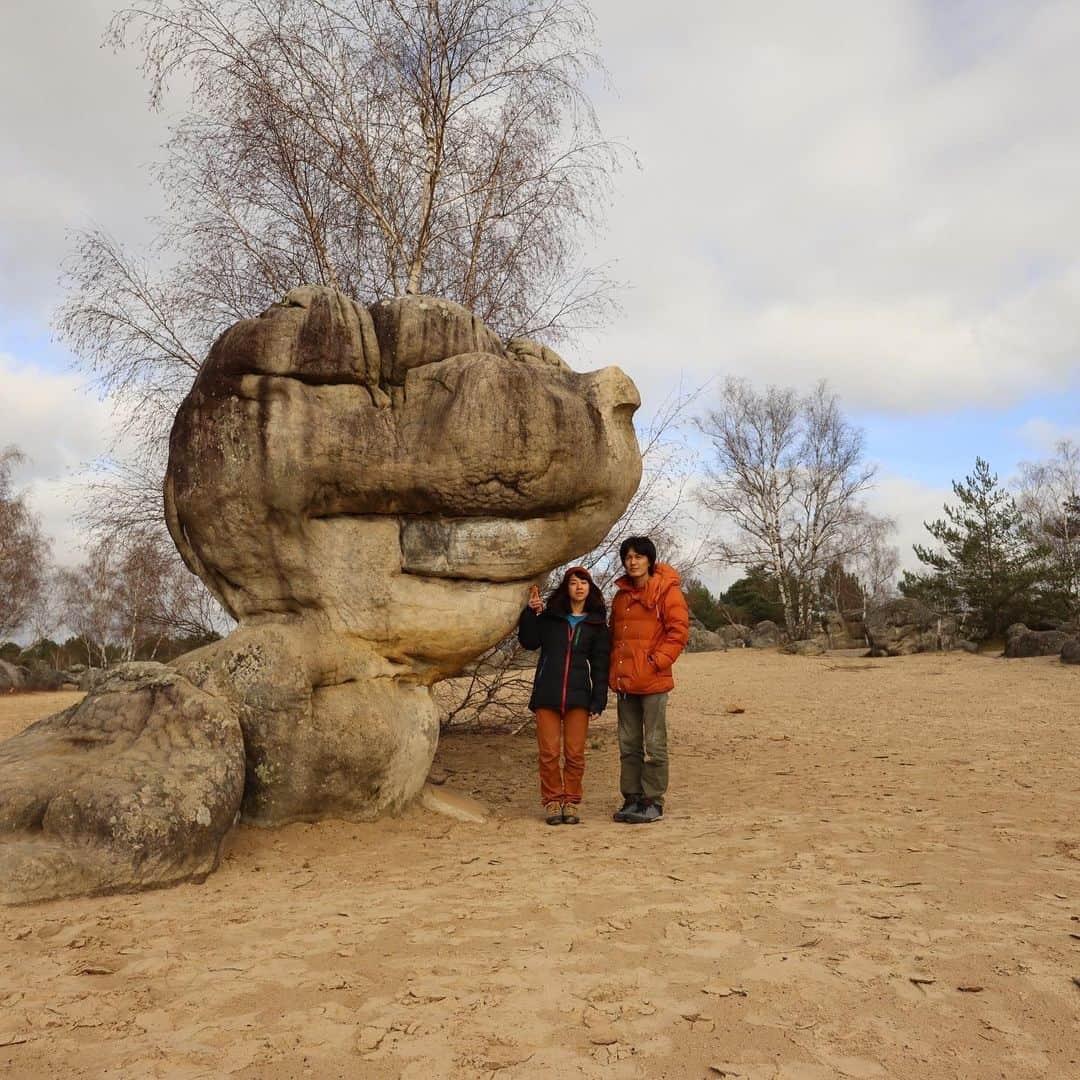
point(757, 595)
point(986, 568)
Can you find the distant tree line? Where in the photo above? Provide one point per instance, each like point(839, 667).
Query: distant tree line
point(128, 599)
point(787, 481)
point(755, 597)
point(751, 599)
point(77, 650)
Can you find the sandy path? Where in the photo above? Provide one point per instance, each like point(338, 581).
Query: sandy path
point(862, 825)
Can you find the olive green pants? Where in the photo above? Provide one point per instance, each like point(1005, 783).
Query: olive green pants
point(643, 753)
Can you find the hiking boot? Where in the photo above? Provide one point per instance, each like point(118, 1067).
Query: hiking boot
point(630, 803)
point(570, 814)
point(645, 813)
point(554, 812)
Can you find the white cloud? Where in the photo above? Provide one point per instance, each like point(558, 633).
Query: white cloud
point(880, 194)
point(1043, 435)
point(60, 426)
point(910, 504)
point(76, 146)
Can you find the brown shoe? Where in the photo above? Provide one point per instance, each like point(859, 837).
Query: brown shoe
point(554, 812)
point(570, 814)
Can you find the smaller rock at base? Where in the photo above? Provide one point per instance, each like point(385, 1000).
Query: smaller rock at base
point(603, 1035)
point(1070, 651)
point(453, 804)
point(803, 648)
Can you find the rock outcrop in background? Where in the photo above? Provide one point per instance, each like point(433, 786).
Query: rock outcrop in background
point(905, 626)
point(1023, 641)
point(1020, 641)
point(369, 492)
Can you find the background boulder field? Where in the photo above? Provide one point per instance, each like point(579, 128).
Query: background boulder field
point(872, 871)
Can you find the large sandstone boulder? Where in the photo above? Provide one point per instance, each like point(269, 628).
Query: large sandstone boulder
point(1020, 641)
point(90, 677)
point(839, 632)
point(11, 677)
point(133, 787)
point(735, 635)
point(805, 647)
point(766, 635)
point(702, 640)
point(381, 486)
point(905, 626)
point(43, 677)
point(370, 492)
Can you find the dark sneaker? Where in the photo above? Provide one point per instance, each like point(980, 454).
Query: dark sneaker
point(570, 814)
point(644, 814)
point(553, 812)
point(630, 803)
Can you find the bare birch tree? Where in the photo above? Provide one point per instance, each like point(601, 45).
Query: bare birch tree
point(130, 597)
point(1048, 495)
point(25, 553)
point(866, 578)
point(382, 147)
point(786, 477)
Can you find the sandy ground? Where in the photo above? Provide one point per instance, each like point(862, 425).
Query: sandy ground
point(872, 871)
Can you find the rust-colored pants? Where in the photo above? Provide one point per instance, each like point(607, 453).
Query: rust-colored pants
point(569, 730)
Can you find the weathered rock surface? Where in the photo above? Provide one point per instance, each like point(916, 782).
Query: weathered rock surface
point(135, 786)
point(807, 647)
point(40, 676)
point(90, 677)
point(1070, 651)
point(702, 640)
point(390, 495)
point(370, 492)
point(766, 635)
point(905, 626)
point(11, 677)
point(736, 636)
point(1021, 642)
point(323, 738)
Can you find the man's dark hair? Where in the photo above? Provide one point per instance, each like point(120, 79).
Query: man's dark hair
point(642, 545)
point(559, 601)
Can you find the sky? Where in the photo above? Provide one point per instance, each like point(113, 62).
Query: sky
point(879, 194)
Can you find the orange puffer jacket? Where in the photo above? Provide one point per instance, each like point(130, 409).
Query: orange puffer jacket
point(649, 628)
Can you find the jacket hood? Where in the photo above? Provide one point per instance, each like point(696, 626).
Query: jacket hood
point(660, 581)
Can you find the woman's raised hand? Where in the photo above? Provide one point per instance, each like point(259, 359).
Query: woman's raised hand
point(534, 599)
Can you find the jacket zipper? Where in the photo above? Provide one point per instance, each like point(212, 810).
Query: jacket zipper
point(566, 667)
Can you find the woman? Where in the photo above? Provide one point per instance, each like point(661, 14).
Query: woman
point(570, 685)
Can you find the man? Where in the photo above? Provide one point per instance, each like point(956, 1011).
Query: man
point(650, 626)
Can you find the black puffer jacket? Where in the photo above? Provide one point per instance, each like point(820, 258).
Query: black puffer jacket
point(572, 672)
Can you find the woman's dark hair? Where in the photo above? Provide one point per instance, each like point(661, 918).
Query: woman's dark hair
point(559, 601)
point(643, 546)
